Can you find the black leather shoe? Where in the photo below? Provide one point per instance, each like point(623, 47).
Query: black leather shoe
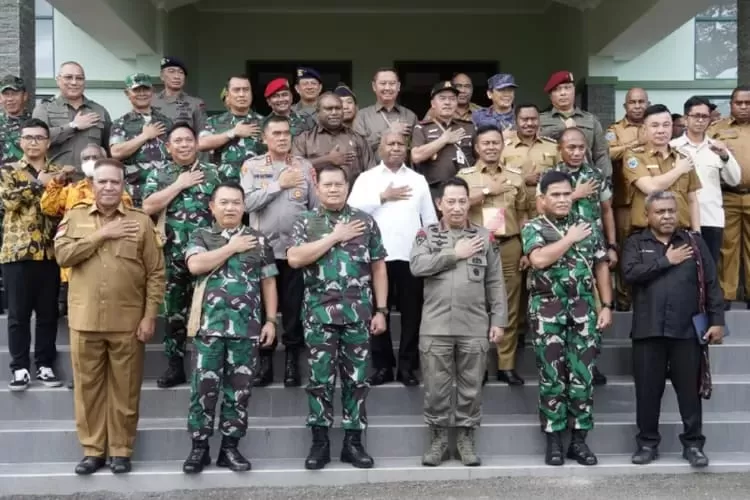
point(71, 385)
point(381, 376)
point(695, 456)
point(554, 453)
point(727, 305)
point(265, 373)
point(230, 457)
point(89, 465)
point(291, 369)
point(580, 451)
point(645, 455)
point(598, 377)
point(320, 451)
point(175, 374)
point(510, 377)
point(199, 457)
point(486, 378)
point(352, 452)
point(408, 378)
point(120, 465)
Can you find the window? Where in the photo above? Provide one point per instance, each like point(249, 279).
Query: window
point(45, 40)
point(716, 41)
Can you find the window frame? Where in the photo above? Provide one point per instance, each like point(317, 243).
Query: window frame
point(51, 19)
point(704, 20)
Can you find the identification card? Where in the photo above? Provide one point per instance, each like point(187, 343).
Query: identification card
point(494, 220)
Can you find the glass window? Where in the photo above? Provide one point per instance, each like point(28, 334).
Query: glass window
point(43, 8)
point(716, 42)
point(45, 57)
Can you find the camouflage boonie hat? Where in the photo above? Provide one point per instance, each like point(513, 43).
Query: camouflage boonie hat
point(11, 82)
point(137, 80)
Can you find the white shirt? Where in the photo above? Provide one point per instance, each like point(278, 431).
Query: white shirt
point(399, 221)
point(711, 172)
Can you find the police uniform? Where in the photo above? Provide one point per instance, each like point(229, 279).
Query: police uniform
point(643, 162)
point(180, 107)
point(301, 108)
point(735, 249)
point(462, 300)
point(553, 123)
point(536, 157)
point(273, 212)
point(503, 212)
point(114, 284)
point(225, 355)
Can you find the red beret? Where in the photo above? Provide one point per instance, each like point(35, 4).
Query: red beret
point(558, 79)
point(275, 85)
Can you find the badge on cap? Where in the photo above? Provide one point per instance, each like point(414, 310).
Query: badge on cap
point(632, 162)
point(300, 72)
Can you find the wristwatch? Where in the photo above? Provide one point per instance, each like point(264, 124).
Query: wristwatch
point(486, 191)
point(382, 310)
point(73, 125)
point(271, 320)
point(612, 246)
point(608, 305)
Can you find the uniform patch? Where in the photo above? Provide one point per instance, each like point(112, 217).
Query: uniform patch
point(61, 230)
point(610, 136)
point(632, 162)
point(421, 236)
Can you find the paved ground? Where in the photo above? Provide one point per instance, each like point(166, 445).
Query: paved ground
point(671, 487)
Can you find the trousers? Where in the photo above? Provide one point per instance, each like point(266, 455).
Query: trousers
point(510, 253)
point(291, 290)
point(177, 299)
point(622, 230)
point(735, 247)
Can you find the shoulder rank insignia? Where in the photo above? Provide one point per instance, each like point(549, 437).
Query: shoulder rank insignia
point(547, 139)
point(638, 149)
point(467, 170)
point(513, 170)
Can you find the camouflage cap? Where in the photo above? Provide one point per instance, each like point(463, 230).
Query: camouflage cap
point(501, 81)
point(137, 80)
point(11, 82)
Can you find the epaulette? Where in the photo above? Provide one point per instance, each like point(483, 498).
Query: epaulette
point(514, 170)
point(425, 122)
point(509, 142)
point(462, 120)
point(81, 204)
point(467, 170)
point(638, 149)
point(548, 139)
point(136, 209)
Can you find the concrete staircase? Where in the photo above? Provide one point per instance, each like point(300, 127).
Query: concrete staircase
point(40, 449)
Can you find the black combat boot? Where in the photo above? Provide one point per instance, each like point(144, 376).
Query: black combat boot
point(353, 452)
point(230, 457)
point(265, 373)
point(199, 457)
point(598, 377)
point(175, 374)
point(579, 450)
point(554, 454)
point(291, 369)
point(320, 451)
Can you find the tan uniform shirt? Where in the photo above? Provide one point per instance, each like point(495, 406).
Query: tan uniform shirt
point(737, 137)
point(113, 283)
point(449, 160)
point(621, 136)
point(462, 297)
point(372, 121)
point(313, 144)
point(504, 209)
point(640, 162)
point(535, 158)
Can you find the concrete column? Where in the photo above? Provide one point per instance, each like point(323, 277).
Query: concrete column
point(598, 97)
point(743, 42)
point(18, 41)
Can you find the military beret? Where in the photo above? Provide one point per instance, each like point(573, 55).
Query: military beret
point(173, 62)
point(501, 81)
point(137, 80)
point(275, 85)
point(11, 82)
point(558, 78)
point(342, 90)
point(443, 87)
point(308, 73)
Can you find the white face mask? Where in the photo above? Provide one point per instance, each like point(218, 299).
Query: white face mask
point(88, 168)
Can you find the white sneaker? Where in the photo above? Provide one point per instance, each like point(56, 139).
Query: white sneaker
point(20, 381)
point(46, 376)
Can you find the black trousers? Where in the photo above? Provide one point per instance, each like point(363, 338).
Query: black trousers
point(713, 238)
point(652, 358)
point(405, 293)
point(291, 288)
point(32, 287)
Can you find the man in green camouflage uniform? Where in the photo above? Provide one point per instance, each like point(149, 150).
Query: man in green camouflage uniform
point(137, 138)
point(179, 194)
point(234, 136)
point(237, 264)
point(279, 97)
point(568, 266)
point(342, 256)
point(14, 99)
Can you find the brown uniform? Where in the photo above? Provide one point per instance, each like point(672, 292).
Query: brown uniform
point(641, 162)
point(458, 115)
point(449, 160)
point(113, 285)
point(503, 212)
point(621, 136)
point(372, 121)
point(537, 157)
point(313, 144)
point(736, 245)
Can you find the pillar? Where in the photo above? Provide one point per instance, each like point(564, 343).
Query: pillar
point(598, 97)
point(18, 41)
point(743, 42)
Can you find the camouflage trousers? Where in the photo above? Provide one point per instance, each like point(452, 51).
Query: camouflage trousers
point(177, 299)
point(225, 366)
point(342, 347)
point(566, 345)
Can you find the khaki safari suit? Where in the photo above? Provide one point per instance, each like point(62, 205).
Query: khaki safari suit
point(537, 157)
point(113, 285)
point(502, 214)
point(736, 246)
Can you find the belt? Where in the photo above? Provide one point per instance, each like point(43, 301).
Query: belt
point(735, 190)
point(505, 239)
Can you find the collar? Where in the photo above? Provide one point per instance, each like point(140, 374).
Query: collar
point(23, 163)
point(482, 166)
point(94, 209)
point(269, 161)
point(574, 112)
point(345, 210)
point(86, 101)
point(402, 168)
point(380, 107)
point(179, 95)
point(517, 141)
point(684, 140)
point(25, 115)
point(444, 227)
point(671, 151)
point(227, 232)
point(320, 129)
point(678, 234)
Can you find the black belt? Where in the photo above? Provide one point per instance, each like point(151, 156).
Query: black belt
point(504, 239)
point(735, 190)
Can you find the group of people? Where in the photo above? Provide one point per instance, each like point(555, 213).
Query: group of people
point(476, 224)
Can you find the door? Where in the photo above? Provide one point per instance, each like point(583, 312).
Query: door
point(418, 78)
point(262, 72)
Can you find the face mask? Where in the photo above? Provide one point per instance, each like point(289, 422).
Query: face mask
point(88, 168)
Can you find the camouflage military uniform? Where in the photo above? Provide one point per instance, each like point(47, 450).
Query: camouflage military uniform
point(337, 309)
point(226, 346)
point(187, 212)
point(152, 155)
point(562, 312)
point(10, 133)
point(589, 208)
point(299, 123)
point(234, 153)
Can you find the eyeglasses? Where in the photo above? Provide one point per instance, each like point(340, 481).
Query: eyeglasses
point(73, 78)
point(90, 158)
point(34, 138)
point(700, 117)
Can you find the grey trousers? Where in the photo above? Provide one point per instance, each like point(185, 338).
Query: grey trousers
point(445, 360)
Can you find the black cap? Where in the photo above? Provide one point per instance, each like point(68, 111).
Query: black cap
point(173, 62)
point(12, 82)
point(442, 87)
point(342, 90)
